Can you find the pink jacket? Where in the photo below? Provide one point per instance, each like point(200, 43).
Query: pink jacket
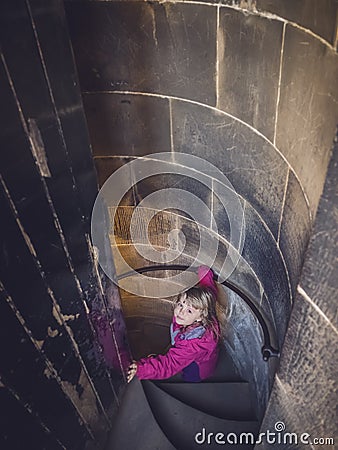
point(194, 351)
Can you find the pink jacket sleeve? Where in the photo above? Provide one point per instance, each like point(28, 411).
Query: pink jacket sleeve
point(164, 366)
point(206, 278)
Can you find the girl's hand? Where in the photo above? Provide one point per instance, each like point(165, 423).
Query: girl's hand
point(131, 371)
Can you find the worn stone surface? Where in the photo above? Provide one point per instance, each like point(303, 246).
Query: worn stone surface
point(236, 151)
point(243, 341)
point(318, 281)
point(302, 104)
point(47, 189)
point(106, 166)
point(245, 278)
point(56, 228)
point(30, 430)
point(308, 109)
point(23, 371)
point(187, 199)
point(130, 125)
point(262, 254)
point(249, 59)
point(133, 46)
point(294, 230)
point(318, 16)
point(305, 390)
point(228, 212)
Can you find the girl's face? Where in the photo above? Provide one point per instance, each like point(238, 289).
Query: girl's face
point(186, 314)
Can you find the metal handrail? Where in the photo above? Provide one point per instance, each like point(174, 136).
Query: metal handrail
point(268, 350)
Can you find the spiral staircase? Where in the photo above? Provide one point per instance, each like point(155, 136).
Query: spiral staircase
point(172, 414)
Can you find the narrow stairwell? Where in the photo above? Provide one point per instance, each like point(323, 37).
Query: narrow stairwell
point(171, 414)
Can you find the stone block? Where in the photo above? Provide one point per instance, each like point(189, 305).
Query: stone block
point(251, 164)
point(265, 259)
point(308, 109)
point(249, 60)
point(127, 125)
point(319, 16)
point(162, 48)
point(295, 229)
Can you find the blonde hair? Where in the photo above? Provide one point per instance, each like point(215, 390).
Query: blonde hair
point(204, 300)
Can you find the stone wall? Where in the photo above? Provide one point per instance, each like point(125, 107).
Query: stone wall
point(235, 83)
point(62, 335)
point(304, 396)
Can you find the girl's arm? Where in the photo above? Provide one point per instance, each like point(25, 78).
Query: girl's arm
point(206, 278)
point(165, 366)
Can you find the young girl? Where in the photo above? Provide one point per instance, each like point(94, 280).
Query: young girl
point(194, 336)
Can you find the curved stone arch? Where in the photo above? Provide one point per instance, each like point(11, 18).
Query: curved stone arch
point(270, 147)
point(272, 298)
point(217, 110)
point(162, 57)
point(250, 7)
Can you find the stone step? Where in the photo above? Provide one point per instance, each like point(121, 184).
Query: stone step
point(134, 427)
point(222, 400)
point(190, 429)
